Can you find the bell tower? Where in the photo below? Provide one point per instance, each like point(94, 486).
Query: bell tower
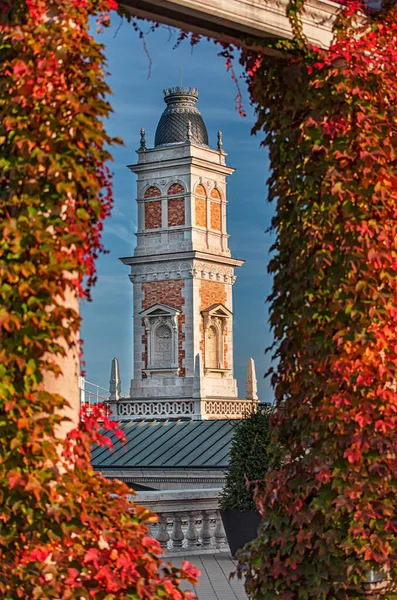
point(182, 273)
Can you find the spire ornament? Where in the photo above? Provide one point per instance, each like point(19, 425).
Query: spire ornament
point(143, 140)
point(220, 141)
point(115, 383)
point(198, 377)
point(189, 132)
point(251, 381)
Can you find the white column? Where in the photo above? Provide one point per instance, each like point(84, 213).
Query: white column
point(189, 210)
point(223, 225)
point(141, 215)
point(208, 200)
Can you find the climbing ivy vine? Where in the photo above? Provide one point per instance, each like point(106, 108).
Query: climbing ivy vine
point(65, 532)
point(330, 123)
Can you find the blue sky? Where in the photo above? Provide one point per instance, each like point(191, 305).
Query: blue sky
point(138, 102)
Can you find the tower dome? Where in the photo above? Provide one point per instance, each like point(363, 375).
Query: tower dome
point(173, 125)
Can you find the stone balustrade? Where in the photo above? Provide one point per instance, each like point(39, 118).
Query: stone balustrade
point(162, 408)
point(189, 520)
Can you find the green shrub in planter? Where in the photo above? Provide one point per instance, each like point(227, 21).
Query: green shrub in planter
point(249, 460)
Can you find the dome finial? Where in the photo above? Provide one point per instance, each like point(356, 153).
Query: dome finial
point(220, 141)
point(143, 140)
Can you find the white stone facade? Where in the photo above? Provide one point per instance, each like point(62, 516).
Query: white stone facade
point(182, 274)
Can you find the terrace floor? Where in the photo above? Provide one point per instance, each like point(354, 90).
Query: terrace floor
point(214, 583)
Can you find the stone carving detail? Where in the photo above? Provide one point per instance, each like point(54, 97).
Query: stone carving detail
point(162, 347)
point(211, 271)
point(177, 270)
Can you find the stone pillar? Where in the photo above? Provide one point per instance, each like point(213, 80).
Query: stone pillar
point(115, 382)
point(67, 384)
point(251, 381)
point(198, 377)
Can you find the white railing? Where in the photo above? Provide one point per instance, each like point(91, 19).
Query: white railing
point(92, 393)
point(189, 520)
point(167, 408)
point(146, 409)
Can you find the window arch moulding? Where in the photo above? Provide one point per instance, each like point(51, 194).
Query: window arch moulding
point(161, 326)
point(176, 189)
point(152, 191)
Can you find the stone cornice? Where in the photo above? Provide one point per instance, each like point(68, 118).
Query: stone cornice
point(175, 162)
point(183, 256)
point(237, 20)
point(182, 270)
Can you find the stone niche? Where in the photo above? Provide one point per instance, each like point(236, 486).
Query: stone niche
point(161, 326)
point(215, 320)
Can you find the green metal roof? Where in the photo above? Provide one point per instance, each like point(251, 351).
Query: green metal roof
point(168, 444)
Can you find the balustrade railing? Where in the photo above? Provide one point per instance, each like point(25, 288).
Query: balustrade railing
point(189, 520)
point(162, 408)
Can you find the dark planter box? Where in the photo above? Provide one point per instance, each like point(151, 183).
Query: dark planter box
point(241, 526)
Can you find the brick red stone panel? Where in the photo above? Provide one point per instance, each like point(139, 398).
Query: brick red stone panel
point(167, 292)
point(176, 212)
point(175, 188)
point(152, 192)
point(215, 216)
point(153, 214)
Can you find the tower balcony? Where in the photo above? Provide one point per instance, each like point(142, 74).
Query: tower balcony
point(197, 409)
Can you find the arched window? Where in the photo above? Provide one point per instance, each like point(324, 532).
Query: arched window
point(153, 218)
point(216, 214)
point(162, 351)
point(201, 206)
point(176, 206)
point(212, 358)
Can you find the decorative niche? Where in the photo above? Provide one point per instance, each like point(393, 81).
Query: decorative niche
point(215, 319)
point(161, 326)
